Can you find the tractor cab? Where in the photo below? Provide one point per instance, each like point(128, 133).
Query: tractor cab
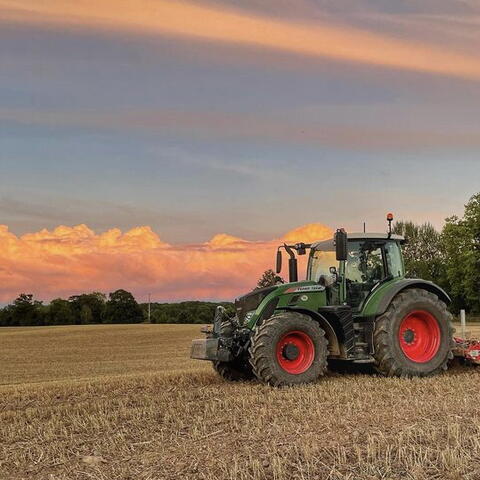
point(370, 260)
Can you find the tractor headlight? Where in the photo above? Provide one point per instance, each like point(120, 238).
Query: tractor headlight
point(249, 315)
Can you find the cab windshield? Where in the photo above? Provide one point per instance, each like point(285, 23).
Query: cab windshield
point(319, 265)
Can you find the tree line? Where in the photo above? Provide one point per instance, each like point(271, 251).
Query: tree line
point(120, 307)
point(93, 308)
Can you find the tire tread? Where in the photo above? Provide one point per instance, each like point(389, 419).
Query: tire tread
point(263, 338)
point(385, 361)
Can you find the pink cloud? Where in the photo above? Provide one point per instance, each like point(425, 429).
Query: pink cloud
point(71, 260)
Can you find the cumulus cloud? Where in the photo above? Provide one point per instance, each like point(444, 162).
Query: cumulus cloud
point(243, 28)
point(70, 260)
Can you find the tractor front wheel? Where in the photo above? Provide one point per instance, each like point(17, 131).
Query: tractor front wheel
point(287, 349)
point(414, 336)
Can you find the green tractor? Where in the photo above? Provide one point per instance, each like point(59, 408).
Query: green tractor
point(355, 307)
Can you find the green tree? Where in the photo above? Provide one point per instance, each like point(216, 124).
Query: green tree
point(268, 279)
point(122, 308)
point(88, 307)
point(461, 241)
point(423, 251)
point(59, 312)
point(159, 316)
point(186, 312)
point(26, 311)
point(6, 316)
point(86, 315)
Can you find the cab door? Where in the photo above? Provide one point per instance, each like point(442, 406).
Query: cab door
point(365, 268)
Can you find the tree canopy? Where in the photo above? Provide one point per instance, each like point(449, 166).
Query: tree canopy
point(450, 258)
point(461, 243)
point(423, 252)
point(89, 308)
point(122, 308)
point(268, 279)
point(81, 309)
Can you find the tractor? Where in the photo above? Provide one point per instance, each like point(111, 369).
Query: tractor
point(355, 307)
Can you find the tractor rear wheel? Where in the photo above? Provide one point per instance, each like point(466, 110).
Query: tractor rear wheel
point(288, 349)
point(414, 337)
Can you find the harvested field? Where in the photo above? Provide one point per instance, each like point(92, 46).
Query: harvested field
point(125, 402)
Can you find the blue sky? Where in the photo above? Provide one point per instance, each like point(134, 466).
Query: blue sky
point(117, 128)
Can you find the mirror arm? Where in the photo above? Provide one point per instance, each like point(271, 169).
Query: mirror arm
point(289, 250)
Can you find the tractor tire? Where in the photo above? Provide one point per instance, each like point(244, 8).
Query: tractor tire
point(233, 371)
point(288, 349)
point(414, 337)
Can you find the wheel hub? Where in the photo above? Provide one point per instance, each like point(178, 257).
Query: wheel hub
point(291, 351)
point(409, 336)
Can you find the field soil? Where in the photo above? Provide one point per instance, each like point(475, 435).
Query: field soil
point(126, 402)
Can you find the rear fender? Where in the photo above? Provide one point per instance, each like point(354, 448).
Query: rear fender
point(378, 303)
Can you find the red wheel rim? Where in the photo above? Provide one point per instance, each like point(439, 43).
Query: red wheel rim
point(419, 336)
point(295, 352)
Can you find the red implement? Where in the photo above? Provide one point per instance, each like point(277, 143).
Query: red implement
point(467, 349)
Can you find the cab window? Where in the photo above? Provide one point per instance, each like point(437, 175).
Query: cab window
point(394, 259)
point(364, 269)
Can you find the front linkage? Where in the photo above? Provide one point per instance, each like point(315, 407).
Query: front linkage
point(228, 341)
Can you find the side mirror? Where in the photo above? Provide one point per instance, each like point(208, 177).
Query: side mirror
point(341, 244)
point(279, 261)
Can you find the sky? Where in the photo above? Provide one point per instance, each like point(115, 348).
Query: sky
point(166, 147)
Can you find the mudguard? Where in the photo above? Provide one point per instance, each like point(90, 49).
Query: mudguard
point(340, 335)
point(399, 286)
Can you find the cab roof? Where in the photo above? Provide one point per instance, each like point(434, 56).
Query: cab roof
point(328, 245)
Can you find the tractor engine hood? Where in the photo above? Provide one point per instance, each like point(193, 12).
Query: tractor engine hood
point(251, 301)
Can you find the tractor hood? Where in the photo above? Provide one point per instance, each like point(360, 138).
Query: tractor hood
point(252, 300)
